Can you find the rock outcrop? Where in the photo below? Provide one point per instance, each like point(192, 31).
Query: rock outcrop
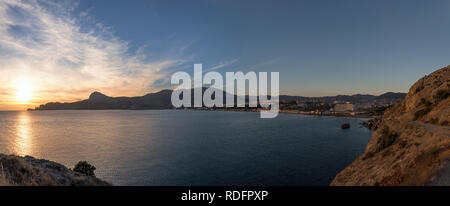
point(28, 171)
point(412, 143)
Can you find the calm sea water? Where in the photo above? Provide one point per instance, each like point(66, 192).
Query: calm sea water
point(175, 147)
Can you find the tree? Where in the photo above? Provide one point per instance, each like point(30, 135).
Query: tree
point(84, 167)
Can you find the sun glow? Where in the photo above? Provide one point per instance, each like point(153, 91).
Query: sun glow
point(24, 90)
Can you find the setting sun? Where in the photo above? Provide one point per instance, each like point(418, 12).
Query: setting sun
point(24, 90)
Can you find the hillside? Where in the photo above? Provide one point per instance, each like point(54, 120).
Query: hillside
point(28, 171)
point(412, 144)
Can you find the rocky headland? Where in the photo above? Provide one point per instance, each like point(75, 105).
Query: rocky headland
point(411, 143)
point(28, 171)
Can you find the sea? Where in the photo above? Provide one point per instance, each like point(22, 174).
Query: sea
point(188, 147)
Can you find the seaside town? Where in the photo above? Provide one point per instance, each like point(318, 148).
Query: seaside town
point(341, 105)
point(336, 108)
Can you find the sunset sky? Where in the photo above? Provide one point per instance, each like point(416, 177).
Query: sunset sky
point(64, 50)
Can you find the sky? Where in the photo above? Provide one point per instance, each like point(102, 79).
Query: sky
point(64, 50)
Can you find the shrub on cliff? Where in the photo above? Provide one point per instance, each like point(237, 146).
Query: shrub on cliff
point(425, 102)
point(84, 167)
point(422, 112)
point(441, 95)
point(387, 139)
point(419, 88)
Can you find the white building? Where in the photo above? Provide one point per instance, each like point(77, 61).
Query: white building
point(344, 107)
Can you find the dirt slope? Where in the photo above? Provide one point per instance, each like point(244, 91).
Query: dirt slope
point(413, 141)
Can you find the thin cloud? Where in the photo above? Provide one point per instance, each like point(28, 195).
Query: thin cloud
point(188, 45)
point(222, 65)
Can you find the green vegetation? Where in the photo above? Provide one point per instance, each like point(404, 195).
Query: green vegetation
point(312, 106)
point(425, 102)
point(379, 110)
point(387, 139)
point(441, 95)
point(84, 167)
point(419, 88)
point(422, 113)
point(305, 106)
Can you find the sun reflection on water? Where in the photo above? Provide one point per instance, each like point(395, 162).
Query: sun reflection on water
point(23, 135)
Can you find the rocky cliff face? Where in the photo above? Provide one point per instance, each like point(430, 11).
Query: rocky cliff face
point(28, 171)
point(412, 144)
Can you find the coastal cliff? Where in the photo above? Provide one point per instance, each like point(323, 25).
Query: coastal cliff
point(412, 143)
point(28, 171)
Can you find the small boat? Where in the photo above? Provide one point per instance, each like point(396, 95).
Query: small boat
point(345, 126)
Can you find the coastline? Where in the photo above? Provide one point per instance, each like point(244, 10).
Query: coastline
point(312, 113)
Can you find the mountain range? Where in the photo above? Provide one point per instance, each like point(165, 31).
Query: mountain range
point(162, 100)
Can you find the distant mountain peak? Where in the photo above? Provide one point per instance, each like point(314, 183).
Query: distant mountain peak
point(393, 95)
point(97, 96)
